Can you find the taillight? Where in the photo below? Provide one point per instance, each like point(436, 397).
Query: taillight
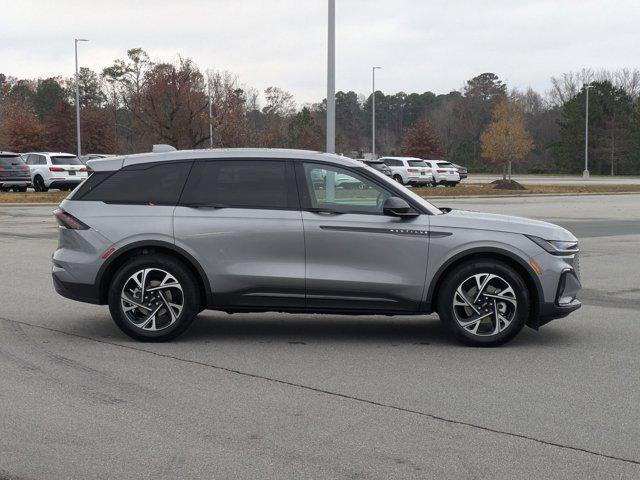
point(441, 171)
point(25, 168)
point(67, 220)
point(56, 169)
point(412, 170)
point(83, 169)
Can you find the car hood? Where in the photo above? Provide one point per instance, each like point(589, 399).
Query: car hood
point(508, 223)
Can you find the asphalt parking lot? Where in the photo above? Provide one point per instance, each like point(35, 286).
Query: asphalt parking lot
point(306, 396)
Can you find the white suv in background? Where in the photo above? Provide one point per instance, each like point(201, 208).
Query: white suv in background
point(409, 170)
point(444, 173)
point(55, 170)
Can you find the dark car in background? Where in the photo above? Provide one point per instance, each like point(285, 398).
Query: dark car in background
point(378, 165)
point(14, 173)
point(462, 171)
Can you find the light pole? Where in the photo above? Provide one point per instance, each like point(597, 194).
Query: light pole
point(331, 79)
point(210, 112)
point(585, 173)
point(373, 113)
point(78, 96)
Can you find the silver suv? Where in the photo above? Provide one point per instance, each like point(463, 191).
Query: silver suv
point(160, 237)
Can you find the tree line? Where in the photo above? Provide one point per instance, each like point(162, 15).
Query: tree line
point(136, 102)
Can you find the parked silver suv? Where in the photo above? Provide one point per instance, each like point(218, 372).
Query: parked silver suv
point(160, 237)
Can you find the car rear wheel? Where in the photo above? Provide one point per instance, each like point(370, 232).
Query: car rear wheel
point(153, 298)
point(38, 184)
point(398, 179)
point(484, 303)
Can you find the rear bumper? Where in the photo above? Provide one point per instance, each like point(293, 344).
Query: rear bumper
point(15, 183)
point(71, 182)
point(420, 180)
point(81, 292)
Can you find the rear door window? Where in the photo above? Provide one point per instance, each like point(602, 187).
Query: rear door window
point(241, 184)
point(146, 184)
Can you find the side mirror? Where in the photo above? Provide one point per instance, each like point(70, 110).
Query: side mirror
point(397, 207)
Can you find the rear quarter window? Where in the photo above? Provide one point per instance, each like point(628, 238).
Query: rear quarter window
point(141, 184)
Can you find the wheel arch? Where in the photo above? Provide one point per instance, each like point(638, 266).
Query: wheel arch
point(527, 273)
point(121, 255)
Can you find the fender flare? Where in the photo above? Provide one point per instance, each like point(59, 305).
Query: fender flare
point(150, 244)
point(435, 281)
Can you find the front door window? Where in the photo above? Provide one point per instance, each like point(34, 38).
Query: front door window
point(342, 191)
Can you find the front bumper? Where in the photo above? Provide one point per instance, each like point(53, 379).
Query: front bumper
point(566, 299)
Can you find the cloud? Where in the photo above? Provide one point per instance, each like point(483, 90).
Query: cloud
point(421, 45)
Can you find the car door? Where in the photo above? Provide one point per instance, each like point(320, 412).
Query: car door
point(241, 220)
point(357, 258)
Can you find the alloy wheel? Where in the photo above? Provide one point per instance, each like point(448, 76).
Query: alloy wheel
point(484, 304)
point(152, 299)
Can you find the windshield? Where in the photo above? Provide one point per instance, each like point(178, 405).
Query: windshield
point(8, 161)
point(387, 181)
point(417, 163)
point(65, 160)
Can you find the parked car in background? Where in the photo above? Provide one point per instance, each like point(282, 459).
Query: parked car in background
point(159, 237)
point(462, 171)
point(378, 165)
point(14, 174)
point(444, 173)
point(55, 170)
point(409, 170)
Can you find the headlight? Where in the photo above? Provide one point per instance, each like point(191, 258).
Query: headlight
point(555, 247)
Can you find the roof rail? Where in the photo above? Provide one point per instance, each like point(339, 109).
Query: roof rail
point(163, 147)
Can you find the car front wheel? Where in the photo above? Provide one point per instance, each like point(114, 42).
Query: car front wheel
point(484, 303)
point(153, 298)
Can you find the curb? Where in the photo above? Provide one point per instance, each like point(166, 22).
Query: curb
point(33, 204)
point(530, 195)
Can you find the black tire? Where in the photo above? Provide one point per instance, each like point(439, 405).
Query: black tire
point(398, 179)
point(190, 296)
point(38, 184)
point(20, 189)
point(463, 272)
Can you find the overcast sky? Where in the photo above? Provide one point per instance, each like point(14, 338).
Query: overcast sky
point(421, 44)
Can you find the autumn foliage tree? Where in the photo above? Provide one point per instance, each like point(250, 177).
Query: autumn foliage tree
point(421, 141)
point(506, 139)
point(20, 129)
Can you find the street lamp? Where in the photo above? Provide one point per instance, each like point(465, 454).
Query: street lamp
point(331, 79)
point(373, 113)
point(585, 173)
point(78, 96)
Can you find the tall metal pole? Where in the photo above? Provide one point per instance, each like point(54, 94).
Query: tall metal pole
point(373, 113)
point(585, 173)
point(79, 143)
point(210, 112)
point(331, 79)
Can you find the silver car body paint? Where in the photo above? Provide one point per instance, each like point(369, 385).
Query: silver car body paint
point(304, 260)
